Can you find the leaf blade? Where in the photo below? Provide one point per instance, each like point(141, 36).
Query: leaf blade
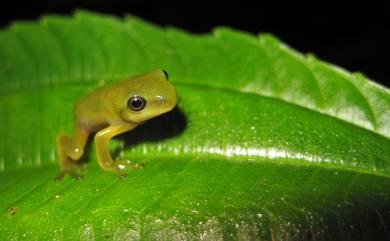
point(266, 143)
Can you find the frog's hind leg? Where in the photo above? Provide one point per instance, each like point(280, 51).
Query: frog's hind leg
point(102, 139)
point(71, 149)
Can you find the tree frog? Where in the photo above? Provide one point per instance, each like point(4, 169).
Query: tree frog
point(111, 110)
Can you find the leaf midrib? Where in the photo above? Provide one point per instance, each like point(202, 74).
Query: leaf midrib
point(261, 160)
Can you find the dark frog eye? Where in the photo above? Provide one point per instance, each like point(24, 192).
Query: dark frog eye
point(136, 103)
point(166, 74)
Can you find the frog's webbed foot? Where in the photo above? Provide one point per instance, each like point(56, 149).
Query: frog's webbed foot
point(121, 168)
point(70, 150)
point(71, 169)
point(72, 173)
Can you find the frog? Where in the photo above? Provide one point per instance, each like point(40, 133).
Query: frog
point(111, 110)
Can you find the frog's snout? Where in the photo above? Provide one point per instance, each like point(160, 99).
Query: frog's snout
point(161, 99)
point(175, 98)
point(167, 102)
point(170, 99)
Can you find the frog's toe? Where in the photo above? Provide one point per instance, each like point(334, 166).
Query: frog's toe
point(73, 172)
point(123, 165)
point(59, 177)
point(127, 165)
point(121, 168)
point(122, 175)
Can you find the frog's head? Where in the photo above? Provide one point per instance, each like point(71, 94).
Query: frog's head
point(147, 96)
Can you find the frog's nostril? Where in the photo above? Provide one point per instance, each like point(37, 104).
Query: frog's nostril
point(161, 99)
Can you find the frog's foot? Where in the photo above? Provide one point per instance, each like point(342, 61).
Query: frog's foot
point(71, 170)
point(123, 167)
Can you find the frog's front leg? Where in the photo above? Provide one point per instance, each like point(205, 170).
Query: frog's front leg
point(102, 139)
point(70, 149)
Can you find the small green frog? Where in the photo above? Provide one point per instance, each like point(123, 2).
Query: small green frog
point(111, 110)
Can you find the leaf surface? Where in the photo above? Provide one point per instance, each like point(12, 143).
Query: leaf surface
point(266, 144)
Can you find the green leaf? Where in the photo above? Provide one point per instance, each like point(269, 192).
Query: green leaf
point(267, 144)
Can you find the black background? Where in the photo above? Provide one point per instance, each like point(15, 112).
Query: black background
point(354, 35)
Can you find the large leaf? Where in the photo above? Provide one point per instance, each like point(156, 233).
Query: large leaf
point(266, 144)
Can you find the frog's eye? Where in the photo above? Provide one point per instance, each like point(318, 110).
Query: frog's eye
point(166, 74)
point(136, 103)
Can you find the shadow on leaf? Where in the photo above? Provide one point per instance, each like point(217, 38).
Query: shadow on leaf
point(163, 127)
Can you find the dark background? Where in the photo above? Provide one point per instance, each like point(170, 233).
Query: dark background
point(354, 35)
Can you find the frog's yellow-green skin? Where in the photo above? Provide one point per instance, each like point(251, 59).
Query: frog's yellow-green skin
point(107, 112)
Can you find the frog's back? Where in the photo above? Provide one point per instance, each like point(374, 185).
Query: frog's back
point(96, 109)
